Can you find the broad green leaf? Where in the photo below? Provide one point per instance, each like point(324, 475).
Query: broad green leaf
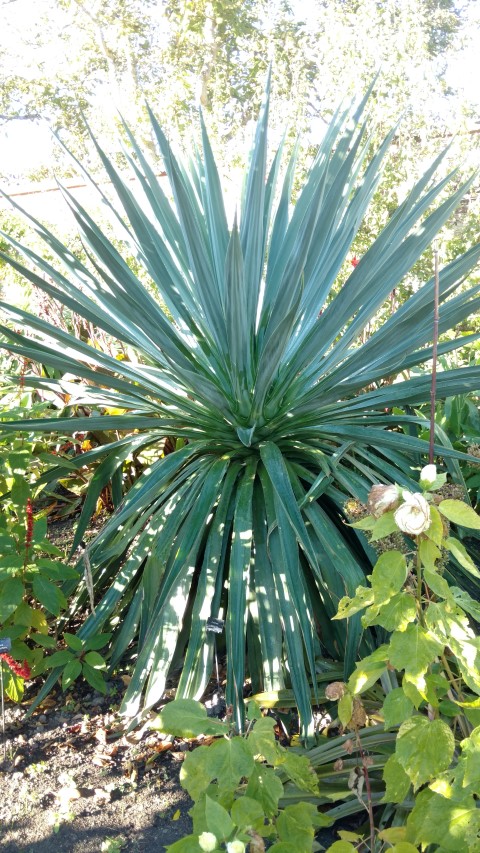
point(435, 532)
point(466, 602)
point(384, 526)
point(396, 780)
point(11, 595)
point(299, 770)
point(368, 670)
point(71, 672)
point(73, 642)
point(94, 677)
point(60, 658)
point(452, 824)
point(261, 740)
point(189, 844)
point(218, 819)
point(295, 824)
point(95, 660)
point(393, 834)
point(413, 650)
point(348, 606)
point(247, 813)
point(264, 786)
point(437, 584)
point(367, 523)
point(429, 553)
point(345, 709)
point(23, 615)
point(187, 718)
point(388, 576)
point(396, 708)
point(341, 847)
point(470, 759)
point(20, 494)
point(54, 570)
point(48, 594)
point(195, 773)
point(13, 685)
point(424, 748)
point(227, 761)
point(230, 761)
point(96, 642)
point(395, 615)
point(460, 513)
point(461, 554)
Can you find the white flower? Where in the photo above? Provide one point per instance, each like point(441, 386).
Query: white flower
point(430, 480)
point(207, 841)
point(428, 475)
point(236, 846)
point(382, 498)
point(413, 516)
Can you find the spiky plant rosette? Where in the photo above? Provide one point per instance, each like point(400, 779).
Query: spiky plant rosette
point(258, 369)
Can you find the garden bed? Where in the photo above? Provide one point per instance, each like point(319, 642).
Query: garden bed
point(73, 779)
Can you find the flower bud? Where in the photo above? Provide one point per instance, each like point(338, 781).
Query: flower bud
point(428, 474)
point(236, 846)
point(382, 498)
point(413, 516)
point(207, 841)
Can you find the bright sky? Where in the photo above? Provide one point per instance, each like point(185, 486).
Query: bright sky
point(26, 146)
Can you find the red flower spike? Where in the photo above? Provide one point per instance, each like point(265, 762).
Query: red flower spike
point(29, 536)
point(354, 262)
point(23, 670)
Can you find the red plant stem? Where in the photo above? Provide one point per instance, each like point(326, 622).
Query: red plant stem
point(369, 792)
point(433, 387)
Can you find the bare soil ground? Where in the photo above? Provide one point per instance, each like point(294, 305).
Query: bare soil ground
point(71, 778)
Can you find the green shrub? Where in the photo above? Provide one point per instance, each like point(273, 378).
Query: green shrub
point(260, 372)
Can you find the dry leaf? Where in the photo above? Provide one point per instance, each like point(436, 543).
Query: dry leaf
point(101, 736)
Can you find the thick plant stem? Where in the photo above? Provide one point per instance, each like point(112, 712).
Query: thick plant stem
point(369, 792)
point(419, 588)
point(433, 387)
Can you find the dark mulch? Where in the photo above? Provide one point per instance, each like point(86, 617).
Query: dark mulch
point(72, 778)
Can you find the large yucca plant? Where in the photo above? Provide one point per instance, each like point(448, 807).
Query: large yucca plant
point(257, 366)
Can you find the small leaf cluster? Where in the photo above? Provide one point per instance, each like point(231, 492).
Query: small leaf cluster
point(31, 575)
point(435, 654)
point(81, 657)
point(236, 788)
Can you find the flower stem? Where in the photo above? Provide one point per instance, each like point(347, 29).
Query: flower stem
point(419, 587)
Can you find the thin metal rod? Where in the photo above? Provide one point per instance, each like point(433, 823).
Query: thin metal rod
point(3, 713)
point(433, 387)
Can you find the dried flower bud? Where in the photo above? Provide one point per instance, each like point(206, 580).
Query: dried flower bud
point(382, 498)
point(413, 516)
point(335, 690)
point(257, 844)
point(348, 746)
point(359, 716)
point(338, 765)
